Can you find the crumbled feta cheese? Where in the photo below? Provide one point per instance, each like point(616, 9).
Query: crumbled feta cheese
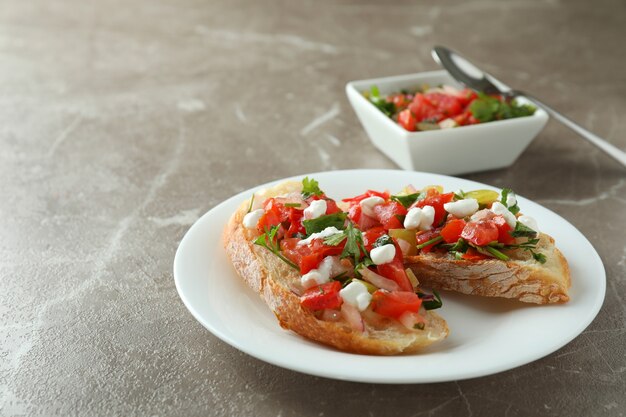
point(428, 217)
point(528, 222)
point(329, 231)
point(250, 220)
point(316, 209)
point(462, 208)
point(510, 199)
point(320, 275)
point(356, 294)
point(413, 218)
point(383, 254)
point(368, 204)
point(499, 208)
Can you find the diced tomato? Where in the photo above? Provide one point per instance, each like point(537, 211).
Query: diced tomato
point(451, 232)
point(275, 213)
point(308, 257)
point(370, 236)
point(473, 255)
point(394, 270)
point(387, 214)
point(503, 230)
point(423, 109)
point(363, 221)
point(322, 297)
point(481, 232)
point(437, 201)
point(368, 193)
point(448, 105)
point(295, 222)
point(394, 304)
point(407, 120)
point(423, 237)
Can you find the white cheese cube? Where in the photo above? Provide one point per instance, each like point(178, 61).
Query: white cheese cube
point(462, 208)
point(316, 209)
point(250, 220)
point(356, 294)
point(383, 254)
point(368, 204)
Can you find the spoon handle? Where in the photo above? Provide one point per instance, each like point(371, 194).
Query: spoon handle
point(611, 150)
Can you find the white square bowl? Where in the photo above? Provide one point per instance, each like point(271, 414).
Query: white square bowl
point(458, 150)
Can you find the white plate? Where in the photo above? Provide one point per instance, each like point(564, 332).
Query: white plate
point(486, 335)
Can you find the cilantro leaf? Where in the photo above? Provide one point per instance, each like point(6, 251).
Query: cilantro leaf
point(354, 244)
point(539, 257)
point(268, 240)
point(406, 200)
point(387, 107)
point(383, 240)
point(334, 240)
point(329, 220)
point(523, 230)
point(310, 187)
point(505, 195)
point(430, 302)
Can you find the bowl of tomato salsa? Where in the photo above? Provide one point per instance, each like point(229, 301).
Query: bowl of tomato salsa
point(428, 122)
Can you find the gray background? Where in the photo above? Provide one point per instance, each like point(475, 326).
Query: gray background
point(122, 122)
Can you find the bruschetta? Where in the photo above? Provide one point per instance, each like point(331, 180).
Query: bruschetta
point(475, 242)
point(325, 278)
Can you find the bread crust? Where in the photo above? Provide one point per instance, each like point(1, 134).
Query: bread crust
point(521, 278)
point(267, 275)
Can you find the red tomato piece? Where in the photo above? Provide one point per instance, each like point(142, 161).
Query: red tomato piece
point(423, 237)
point(480, 233)
point(368, 193)
point(407, 120)
point(399, 100)
point(308, 257)
point(451, 232)
point(387, 214)
point(275, 214)
point(363, 221)
point(437, 201)
point(473, 255)
point(423, 109)
point(295, 222)
point(448, 105)
point(394, 304)
point(322, 297)
point(370, 236)
point(395, 271)
point(503, 230)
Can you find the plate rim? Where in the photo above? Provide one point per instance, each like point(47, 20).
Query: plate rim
point(323, 372)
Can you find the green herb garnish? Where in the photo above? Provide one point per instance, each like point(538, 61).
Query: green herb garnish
point(382, 241)
point(268, 240)
point(387, 107)
point(292, 204)
point(329, 220)
point(430, 242)
point(310, 187)
point(430, 302)
point(505, 194)
point(522, 230)
point(406, 200)
point(486, 109)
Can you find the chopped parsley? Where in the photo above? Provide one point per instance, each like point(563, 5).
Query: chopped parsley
point(486, 109)
point(268, 240)
point(407, 200)
point(505, 194)
point(387, 107)
point(430, 301)
point(310, 187)
point(329, 220)
point(383, 240)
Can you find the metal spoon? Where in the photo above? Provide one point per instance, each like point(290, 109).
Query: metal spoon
point(468, 74)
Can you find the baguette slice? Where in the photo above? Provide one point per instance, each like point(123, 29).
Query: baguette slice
point(266, 274)
point(521, 277)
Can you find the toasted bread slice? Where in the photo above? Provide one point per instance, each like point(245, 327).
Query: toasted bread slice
point(521, 277)
point(266, 274)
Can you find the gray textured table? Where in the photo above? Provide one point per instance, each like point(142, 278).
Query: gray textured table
point(122, 122)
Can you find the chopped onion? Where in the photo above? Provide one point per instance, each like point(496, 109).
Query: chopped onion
point(378, 280)
point(353, 317)
point(411, 319)
point(405, 246)
point(414, 282)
